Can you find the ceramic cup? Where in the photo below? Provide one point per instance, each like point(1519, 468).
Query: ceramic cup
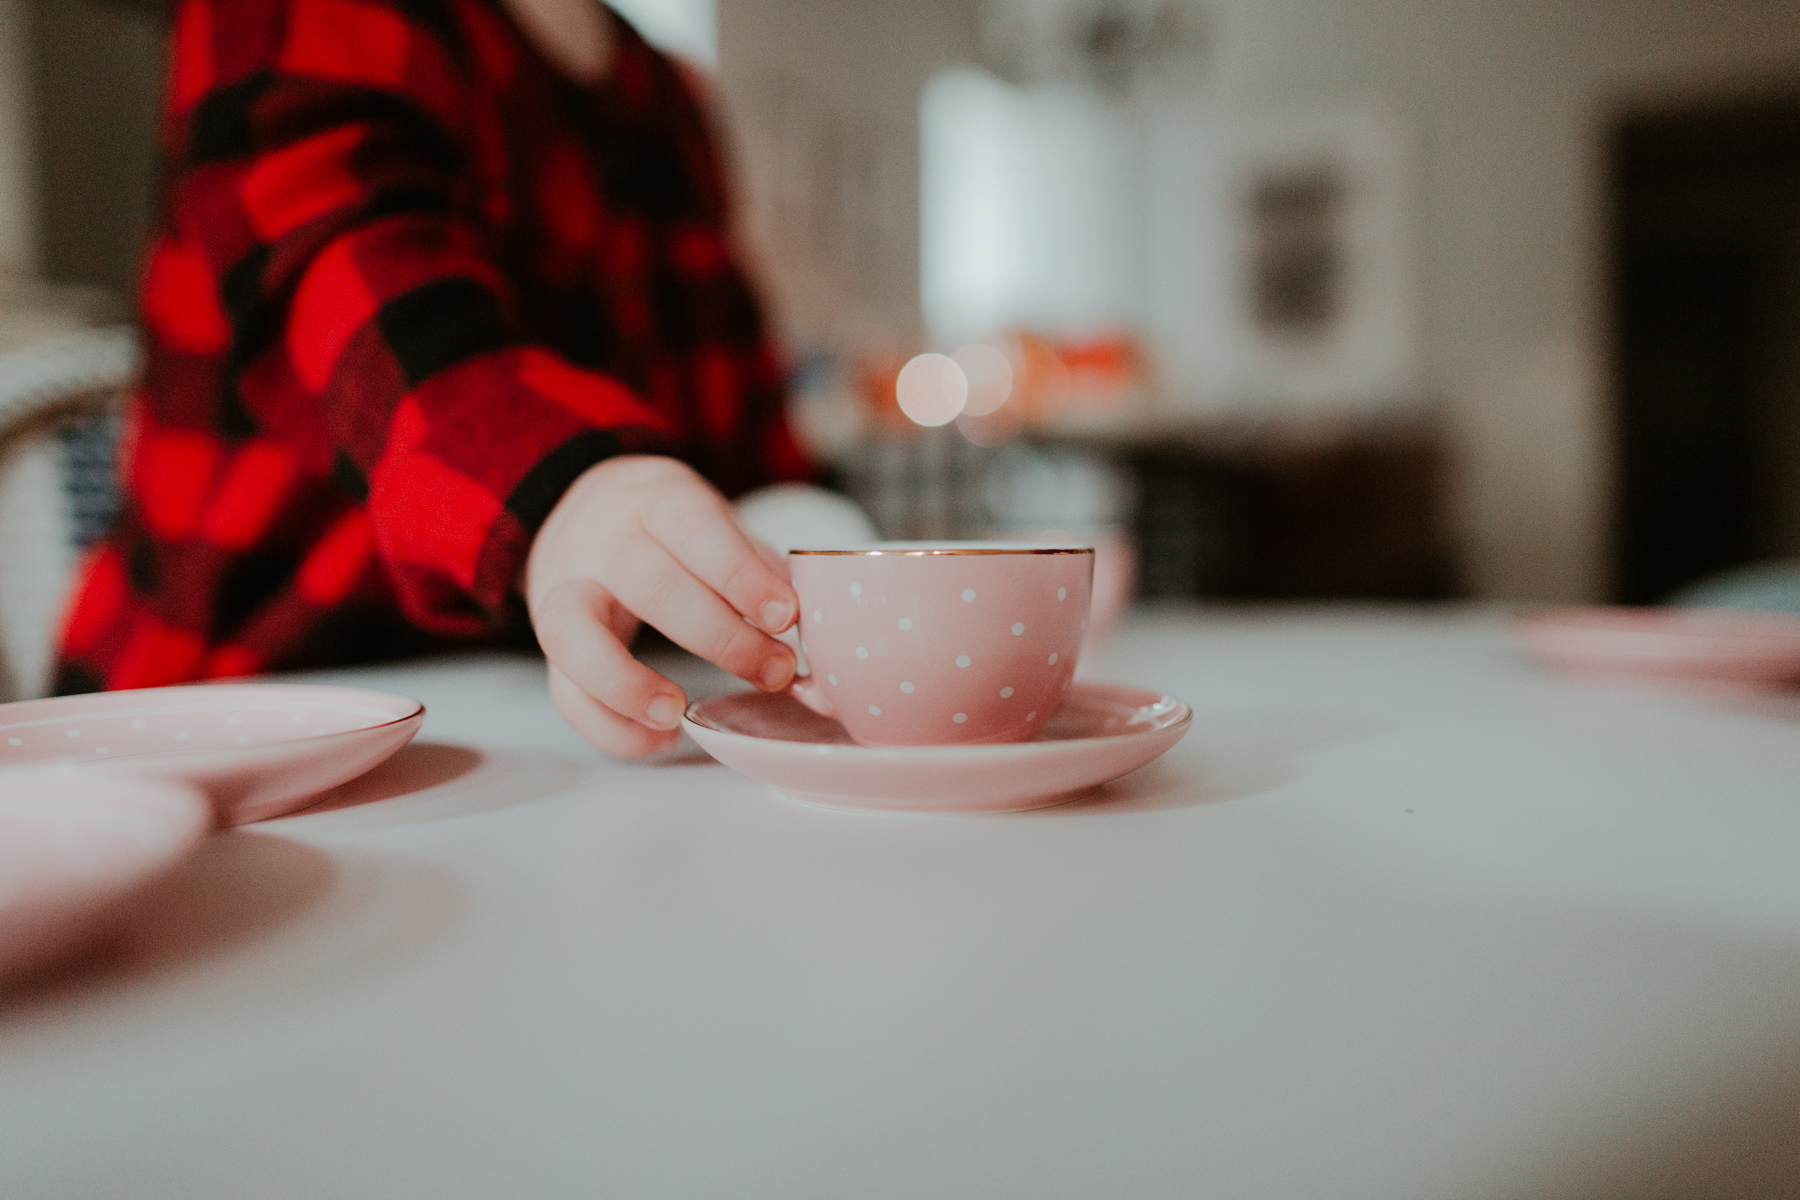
point(938, 643)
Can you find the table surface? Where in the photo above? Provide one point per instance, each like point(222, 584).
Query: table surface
point(1403, 916)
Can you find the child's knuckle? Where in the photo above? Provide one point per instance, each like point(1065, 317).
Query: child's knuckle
point(741, 579)
point(735, 646)
point(660, 591)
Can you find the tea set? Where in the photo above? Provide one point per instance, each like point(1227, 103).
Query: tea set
point(939, 678)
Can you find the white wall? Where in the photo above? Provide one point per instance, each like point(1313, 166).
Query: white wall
point(1512, 100)
point(1028, 204)
point(685, 27)
point(823, 101)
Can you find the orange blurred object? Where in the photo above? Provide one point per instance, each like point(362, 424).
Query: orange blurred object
point(1114, 356)
point(1040, 379)
point(1104, 372)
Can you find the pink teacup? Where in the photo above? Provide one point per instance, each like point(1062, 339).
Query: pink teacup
point(935, 643)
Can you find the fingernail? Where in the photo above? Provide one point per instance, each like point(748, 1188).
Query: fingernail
point(777, 673)
point(664, 712)
point(776, 615)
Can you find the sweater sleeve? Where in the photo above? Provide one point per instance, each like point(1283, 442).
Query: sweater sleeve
point(327, 154)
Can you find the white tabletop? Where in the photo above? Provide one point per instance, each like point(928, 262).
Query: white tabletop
point(1401, 917)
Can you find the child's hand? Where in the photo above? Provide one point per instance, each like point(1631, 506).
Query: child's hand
point(642, 538)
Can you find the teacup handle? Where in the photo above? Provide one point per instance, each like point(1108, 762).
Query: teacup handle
point(807, 691)
point(805, 688)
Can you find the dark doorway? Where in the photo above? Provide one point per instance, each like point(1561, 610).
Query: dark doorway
point(1706, 293)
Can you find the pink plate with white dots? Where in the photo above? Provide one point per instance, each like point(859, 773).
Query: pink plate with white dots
point(256, 750)
point(1098, 734)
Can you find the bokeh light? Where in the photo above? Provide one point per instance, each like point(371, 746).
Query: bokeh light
point(932, 389)
point(990, 377)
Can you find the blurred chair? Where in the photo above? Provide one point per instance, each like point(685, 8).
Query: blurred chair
point(61, 393)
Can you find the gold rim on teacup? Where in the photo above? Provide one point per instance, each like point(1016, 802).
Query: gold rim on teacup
point(925, 549)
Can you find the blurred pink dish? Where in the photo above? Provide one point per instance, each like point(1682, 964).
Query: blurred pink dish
point(1711, 646)
point(71, 847)
point(256, 750)
point(1099, 734)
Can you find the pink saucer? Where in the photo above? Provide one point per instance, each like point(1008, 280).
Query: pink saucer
point(71, 848)
point(1099, 733)
point(257, 750)
point(1709, 646)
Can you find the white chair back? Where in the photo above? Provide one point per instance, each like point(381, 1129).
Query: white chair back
point(60, 400)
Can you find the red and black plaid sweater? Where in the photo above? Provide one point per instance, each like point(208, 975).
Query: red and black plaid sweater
point(408, 282)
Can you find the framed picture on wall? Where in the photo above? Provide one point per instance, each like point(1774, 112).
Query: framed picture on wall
point(1281, 265)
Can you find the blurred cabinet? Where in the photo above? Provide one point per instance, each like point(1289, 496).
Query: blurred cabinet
point(1352, 509)
point(1358, 516)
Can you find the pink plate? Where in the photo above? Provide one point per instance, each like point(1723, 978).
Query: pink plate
point(71, 848)
point(1711, 646)
point(1099, 734)
point(256, 750)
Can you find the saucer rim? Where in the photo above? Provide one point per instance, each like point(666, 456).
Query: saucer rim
point(821, 802)
point(415, 713)
point(932, 549)
point(954, 751)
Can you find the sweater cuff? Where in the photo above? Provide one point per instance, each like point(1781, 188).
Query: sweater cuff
point(528, 506)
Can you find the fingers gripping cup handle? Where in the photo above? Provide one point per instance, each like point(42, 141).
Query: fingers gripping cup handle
point(807, 691)
point(805, 688)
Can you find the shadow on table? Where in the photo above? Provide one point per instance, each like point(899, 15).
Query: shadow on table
point(1732, 1141)
point(252, 918)
point(435, 781)
point(1231, 755)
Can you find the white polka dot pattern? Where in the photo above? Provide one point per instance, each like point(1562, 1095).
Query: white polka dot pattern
point(203, 727)
point(949, 648)
point(245, 730)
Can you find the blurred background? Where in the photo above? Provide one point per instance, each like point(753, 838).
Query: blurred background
point(1292, 298)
